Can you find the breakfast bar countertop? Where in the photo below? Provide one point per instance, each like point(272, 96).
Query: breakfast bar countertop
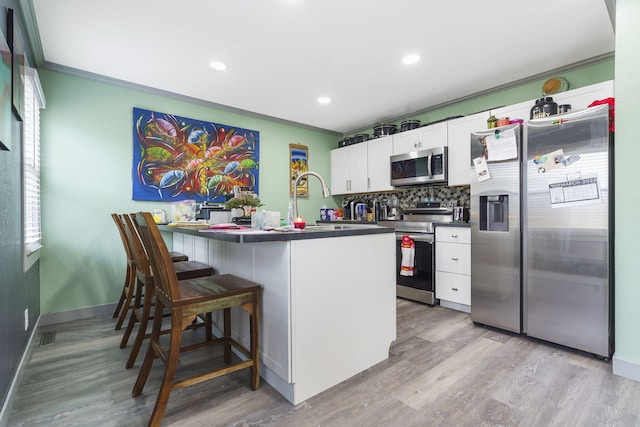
point(256, 235)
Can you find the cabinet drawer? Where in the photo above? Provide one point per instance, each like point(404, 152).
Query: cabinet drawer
point(453, 287)
point(453, 234)
point(453, 257)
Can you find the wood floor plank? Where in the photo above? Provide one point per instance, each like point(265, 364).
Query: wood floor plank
point(442, 371)
point(442, 377)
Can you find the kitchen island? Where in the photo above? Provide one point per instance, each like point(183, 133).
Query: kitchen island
point(328, 306)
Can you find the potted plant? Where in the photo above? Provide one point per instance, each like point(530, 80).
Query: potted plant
point(244, 203)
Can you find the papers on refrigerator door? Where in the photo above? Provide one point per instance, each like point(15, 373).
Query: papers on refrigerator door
point(554, 160)
point(482, 169)
point(575, 192)
point(501, 145)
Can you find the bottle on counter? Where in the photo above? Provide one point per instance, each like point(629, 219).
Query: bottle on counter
point(290, 214)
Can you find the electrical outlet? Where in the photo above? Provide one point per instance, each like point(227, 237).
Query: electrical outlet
point(26, 319)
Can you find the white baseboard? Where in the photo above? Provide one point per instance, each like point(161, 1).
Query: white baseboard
point(626, 369)
point(455, 306)
point(80, 313)
point(7, 407)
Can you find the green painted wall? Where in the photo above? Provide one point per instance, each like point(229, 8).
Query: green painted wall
point(86, 175)
point(627, 143)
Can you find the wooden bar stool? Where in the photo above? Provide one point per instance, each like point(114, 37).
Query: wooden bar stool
point(186, 299)
point(144, 294)
point(126, 296)
point(124, 303)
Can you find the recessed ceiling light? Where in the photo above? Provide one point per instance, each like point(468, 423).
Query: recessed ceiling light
point(324, 100)
point(411, 59)
point(217, 65)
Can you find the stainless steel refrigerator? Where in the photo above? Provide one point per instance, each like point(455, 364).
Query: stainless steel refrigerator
point(541, 264)
point(496, 290)
point(567, 240)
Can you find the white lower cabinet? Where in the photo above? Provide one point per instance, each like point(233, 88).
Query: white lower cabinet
point(453, 267)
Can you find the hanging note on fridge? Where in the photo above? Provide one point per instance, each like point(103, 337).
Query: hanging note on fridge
point(482, 169)
point(502, 145)
point(583, 191)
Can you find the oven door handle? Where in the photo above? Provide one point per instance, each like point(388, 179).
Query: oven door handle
point(417, 237)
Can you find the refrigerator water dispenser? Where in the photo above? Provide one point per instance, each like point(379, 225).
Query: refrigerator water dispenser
point(494, 213)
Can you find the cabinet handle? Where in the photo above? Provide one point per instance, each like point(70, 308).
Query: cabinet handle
point(454, 235)
point(454, 289)
point(368, 182)
point(454, 258)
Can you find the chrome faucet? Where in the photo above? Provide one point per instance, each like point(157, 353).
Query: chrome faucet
point(325, 191)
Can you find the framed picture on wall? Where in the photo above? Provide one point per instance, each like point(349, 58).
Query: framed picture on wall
point(16, 45)
point(5, 95)
point(298, 163)
point(179, 158)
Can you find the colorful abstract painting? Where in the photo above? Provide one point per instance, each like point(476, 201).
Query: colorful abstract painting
point(176, 158)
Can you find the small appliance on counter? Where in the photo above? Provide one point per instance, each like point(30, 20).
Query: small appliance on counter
point(360, 211)
point(394, 212)
point(460, 214)
point(212, 212)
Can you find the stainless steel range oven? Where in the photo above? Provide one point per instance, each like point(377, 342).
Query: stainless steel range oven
point(417, 223)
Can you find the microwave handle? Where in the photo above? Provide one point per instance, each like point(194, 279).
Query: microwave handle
point(429, 171)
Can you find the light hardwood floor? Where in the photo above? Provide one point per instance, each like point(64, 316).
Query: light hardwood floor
point(442, 371)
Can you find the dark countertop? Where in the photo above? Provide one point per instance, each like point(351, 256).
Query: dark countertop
point(437, 224)
point(346, 221)
point(256, 236)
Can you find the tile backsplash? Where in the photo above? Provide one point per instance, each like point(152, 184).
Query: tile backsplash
point(409, 196)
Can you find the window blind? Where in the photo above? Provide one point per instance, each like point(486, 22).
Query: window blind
point(33, 102)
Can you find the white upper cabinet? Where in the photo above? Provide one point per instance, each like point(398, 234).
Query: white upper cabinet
point(340, 171)
point(349, 169)
point(349, 172)
point(378, 164)
point(460, 146)
point(431, 136)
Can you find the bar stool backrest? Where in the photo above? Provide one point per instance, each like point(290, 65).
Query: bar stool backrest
point(135, 241)
point(165, 278)
point(123, 235)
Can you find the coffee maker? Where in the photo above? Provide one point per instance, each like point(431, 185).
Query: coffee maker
point(394, 210)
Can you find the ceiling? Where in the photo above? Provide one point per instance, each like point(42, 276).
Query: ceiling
point(284, 54)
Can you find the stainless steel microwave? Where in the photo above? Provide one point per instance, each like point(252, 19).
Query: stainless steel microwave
point(419, 167)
